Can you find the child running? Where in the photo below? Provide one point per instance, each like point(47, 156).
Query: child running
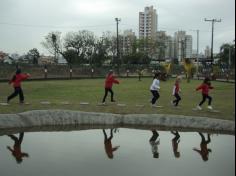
point(176, 92)
point(205, 87)
point(155, 87)
point(110, 80)
point(16, 82)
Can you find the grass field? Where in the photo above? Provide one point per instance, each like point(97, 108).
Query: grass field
point(130, 92)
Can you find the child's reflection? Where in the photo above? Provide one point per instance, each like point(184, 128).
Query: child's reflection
point(204, 151)
point(108, 144)
point(154, 143)
point(16, 151)
point(175, 143)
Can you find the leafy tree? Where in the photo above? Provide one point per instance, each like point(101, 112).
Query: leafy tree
point(53, 44)
point(137, 58)
point(82, 43)
point(227, 51)
point(33, 56)
point(188, 66)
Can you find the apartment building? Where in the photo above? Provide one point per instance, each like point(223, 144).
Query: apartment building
point(183, 45)
point(128, 40)
point(148, 23)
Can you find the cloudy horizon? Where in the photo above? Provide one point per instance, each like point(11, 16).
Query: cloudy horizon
point(25, 23)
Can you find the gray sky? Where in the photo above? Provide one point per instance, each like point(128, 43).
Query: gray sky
point(24, 23)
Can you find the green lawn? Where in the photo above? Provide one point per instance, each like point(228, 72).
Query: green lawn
point(130, 92)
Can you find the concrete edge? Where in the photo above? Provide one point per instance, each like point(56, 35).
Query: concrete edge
point(41, 118)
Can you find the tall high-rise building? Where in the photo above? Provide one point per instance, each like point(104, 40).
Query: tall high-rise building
point(183, 45)
point(188, 46)
point(127, 41)
point(148, 23)
point(207, 52)
point(169, 51)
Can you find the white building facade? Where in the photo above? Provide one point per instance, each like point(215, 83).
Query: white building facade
point(148, 23)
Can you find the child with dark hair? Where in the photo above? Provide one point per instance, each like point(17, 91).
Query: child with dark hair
point(110, 80)
point(155, 87)
point(154, 142)
point(205, 87)
point(176, 92)
point(16, 150)
point(175, 143)
point(204, 150)
point(16, 82)
point(108, 144)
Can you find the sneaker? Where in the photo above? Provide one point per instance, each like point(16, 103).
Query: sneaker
point(154, 106)
point(199, 108)
point(210, 108)
point(172, 103)
point(113, 101)
point(103, 103)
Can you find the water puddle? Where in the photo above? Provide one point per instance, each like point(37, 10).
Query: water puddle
point(117, 152)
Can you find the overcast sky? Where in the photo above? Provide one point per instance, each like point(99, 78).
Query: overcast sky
point(24, 23)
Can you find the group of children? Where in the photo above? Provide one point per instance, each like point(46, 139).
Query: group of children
point(205, 87)
point(155, 90)
point(110, 80)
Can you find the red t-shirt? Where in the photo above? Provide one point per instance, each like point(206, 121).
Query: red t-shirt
point(18, 79)
point(205, 88)
point(110, 80)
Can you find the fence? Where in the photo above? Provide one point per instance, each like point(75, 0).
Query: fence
point(67, 72)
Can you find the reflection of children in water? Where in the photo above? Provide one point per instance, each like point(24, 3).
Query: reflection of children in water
point(204, 152)
point(16, 151)
point(108, 145)
point(175, 143)
point(154, 143)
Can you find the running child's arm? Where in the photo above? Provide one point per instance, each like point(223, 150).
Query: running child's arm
point(24, 76)
point(9, 148)
point(199, 88)
point(115, 81)
point(195, 149)
point(157, 84)
point(115, 148)
point(174, 89)
point(12, 79)
point(25, 155)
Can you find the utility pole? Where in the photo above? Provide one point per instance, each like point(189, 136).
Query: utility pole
point(229, 57)
point(213, 21)
point(117, 40)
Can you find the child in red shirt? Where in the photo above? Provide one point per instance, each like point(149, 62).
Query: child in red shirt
point(16, 82)
point(108, 144)
point(110, 80)
point(205, 87)
point(16, 150)
point(204, 151)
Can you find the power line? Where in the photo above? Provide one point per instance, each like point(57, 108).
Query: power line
point(52, 26)
point(94, 26)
